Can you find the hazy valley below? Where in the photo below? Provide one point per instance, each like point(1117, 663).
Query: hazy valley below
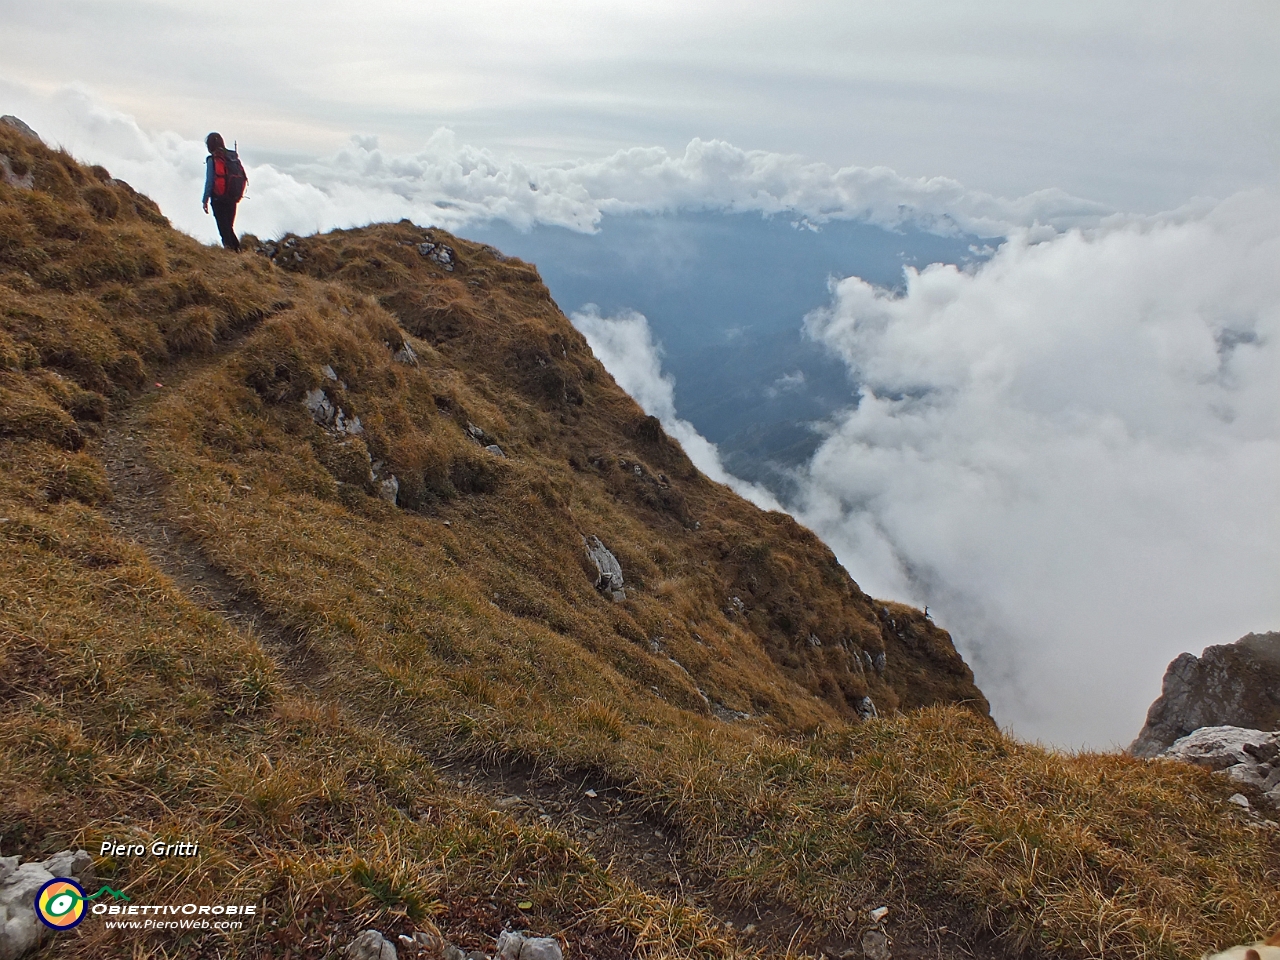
point(725, 296)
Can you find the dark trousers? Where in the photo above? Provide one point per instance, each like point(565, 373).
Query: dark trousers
point(224, 211)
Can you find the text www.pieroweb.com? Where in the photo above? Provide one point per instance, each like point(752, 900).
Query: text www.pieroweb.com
point(187, 916)
point(184, 924)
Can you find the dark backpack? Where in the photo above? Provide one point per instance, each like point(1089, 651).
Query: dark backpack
point(229, 179)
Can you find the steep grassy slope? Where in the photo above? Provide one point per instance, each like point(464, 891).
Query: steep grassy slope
point(495, 351)
point(213, 628)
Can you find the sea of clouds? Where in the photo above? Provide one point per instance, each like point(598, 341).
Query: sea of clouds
point(1072, 453)
point(1069, 452)
point(451, 184)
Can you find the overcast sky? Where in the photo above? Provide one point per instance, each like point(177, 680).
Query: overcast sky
point(1070, 451)
point(1136, 105)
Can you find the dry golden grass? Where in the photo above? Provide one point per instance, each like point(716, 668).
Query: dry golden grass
point(463, 623)
point(130, 713)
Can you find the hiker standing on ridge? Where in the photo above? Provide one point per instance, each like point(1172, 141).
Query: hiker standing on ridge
point(224, 183)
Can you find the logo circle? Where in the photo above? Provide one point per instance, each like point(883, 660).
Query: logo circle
point(60, 903)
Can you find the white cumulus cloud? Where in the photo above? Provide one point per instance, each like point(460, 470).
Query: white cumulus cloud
point(1071, 454)
point(450, 184)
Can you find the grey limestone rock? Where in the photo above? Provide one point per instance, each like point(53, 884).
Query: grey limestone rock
point(20, 929)
point(438, 253)
point(541, 948)
point(519, 946)
point(875, 945)
point(324, 412)
point(321, 407)
point(77, 864)
point(25, 181)
point(721, 712)
point(1247, 756)
point(509, 944)
point(1235, 684)
point(495, 450)
point(406, 354)
point(351, 426)
point(866, 708)
point(389, 489)
point(1217, 747)
point(370, 945)
point(9, 120)
point(608, 570)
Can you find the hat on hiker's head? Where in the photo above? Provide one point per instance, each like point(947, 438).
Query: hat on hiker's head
point(215, 142)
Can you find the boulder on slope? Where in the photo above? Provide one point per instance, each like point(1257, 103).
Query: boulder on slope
point(21, 931)
point(1247, 756)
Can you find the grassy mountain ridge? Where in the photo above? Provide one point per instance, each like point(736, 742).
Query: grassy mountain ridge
point(212, 627)
point(537, 390)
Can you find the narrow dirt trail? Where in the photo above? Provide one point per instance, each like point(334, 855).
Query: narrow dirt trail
point(141, 513)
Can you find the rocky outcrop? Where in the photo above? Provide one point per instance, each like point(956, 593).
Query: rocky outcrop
point(1248, 756)
point(9, 120)
point(1233, 685)
point(511, 945)
point(327, 414)
point(439, 253)
point(519, 946)
point(15, 173)
point(20, 929)
point(608, 570)
point(389, 490)
point(406, 354)
point(12, 173)
point(371, 945)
